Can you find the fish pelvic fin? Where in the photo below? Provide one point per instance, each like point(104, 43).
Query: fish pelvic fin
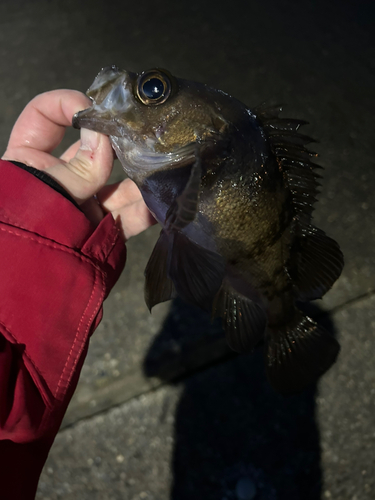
point(294, 159)
point(178, 266)
point(298, 353)
point(244, 321)
point(197, 273)
point(316, 263)
point(158, 286)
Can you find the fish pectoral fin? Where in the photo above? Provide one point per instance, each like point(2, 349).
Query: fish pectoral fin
point(197, 273)
point(185, 207)
point(316, 263)
point(244, 321)
point(298, 353)
point(158, 286)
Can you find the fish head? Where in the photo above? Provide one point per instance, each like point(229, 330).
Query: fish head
point(154, 120)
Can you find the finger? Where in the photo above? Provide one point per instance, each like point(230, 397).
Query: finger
point(86, 173)
point(132, 219)
point(128, 208)
point(31, 157)
point(41, 126)
point(115, 196)
point(92, 210)
point(71, 151)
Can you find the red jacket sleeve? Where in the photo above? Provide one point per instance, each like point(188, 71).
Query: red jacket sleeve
point(56, 269)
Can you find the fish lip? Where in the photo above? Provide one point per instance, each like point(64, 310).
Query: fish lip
point(75, 120)
point(89, 119)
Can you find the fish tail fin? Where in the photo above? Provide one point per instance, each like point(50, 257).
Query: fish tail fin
point(297, 353)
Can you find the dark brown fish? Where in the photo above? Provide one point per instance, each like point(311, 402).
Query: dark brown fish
point(233, 190)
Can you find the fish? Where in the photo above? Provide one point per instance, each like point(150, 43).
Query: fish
point(233, 189)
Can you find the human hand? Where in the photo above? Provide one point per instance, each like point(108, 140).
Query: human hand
point(84, 168)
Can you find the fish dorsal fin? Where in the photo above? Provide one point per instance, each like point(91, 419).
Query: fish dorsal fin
point(316, 262)
point(294, 159)
point(244, 321)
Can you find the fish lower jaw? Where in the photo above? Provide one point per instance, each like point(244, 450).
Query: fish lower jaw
point(140, 160)
point(137, 161)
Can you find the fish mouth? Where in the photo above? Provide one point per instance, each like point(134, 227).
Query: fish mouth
point(111, 95)
point(136, 155)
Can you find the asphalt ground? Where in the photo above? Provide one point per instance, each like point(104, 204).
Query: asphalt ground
point(164, 410)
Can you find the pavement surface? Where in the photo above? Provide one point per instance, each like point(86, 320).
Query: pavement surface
point(164, 410)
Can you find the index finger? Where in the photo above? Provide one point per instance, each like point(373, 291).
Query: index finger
point(41, 125)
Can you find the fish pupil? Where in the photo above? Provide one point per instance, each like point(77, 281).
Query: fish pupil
point(153, 88)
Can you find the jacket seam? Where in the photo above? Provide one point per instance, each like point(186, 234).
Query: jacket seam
point(76, 338)
point(54, 245)
point(115, 234)
point(5, 219)
point(30, 359)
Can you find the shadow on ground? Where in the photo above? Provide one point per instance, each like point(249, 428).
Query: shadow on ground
point(235, 438)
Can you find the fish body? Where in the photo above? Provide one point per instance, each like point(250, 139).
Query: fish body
point(233, 190)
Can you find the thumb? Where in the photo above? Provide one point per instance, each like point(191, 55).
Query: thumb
point(88, 171)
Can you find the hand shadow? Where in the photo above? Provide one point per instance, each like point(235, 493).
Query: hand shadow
point(235, 437)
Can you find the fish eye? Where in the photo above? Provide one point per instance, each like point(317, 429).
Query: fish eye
point(153, 87)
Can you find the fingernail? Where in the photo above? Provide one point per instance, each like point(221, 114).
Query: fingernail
point(89, 139)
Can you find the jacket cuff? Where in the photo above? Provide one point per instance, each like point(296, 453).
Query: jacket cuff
point(47, 179)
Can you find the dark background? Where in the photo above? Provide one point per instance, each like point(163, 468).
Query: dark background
point(213, 417)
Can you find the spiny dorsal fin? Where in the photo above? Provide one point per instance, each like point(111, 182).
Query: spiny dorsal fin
point(294, 159)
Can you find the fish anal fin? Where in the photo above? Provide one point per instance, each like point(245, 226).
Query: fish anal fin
point(298, 353)
point(158, 286)
point(197, 273)
point(244, 321)
point(316, 263)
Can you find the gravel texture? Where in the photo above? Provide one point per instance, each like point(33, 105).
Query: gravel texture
point(223, 433)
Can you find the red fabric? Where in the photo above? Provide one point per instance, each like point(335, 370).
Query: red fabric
point(56, 268)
